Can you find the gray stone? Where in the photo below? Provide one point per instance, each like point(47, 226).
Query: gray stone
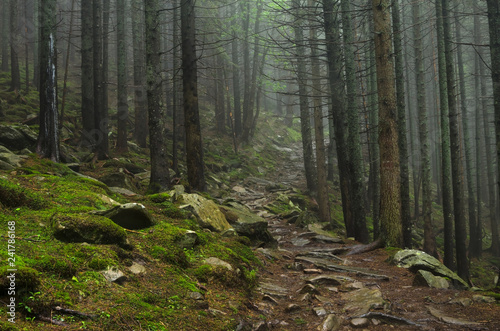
point(137, 268)
point(308, 288)
point(465, 302)
point(114, 275)
point(206, 212)
point(360, 322)
point(6, 166)
point(189, 239)
point(118, 179)
point(426, 278)
point(16, 138)
point(359, 302)
point(248, 224)
point(319, 311)
point(273, 290)
point(417, 260)
point(196, 296)
point(331, 323)
point(216, 262)
point(325, 280)
point(4, 149)
point(483, 298)
point(131, 216)
point(12, 159)
point(176, 192)
point(122, 191)
point(450, 320)
point(328, 265)
point(291, 308)
point(300, 242)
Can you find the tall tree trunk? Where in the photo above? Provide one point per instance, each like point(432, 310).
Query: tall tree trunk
point(353, 138)
point(66, 67)
point(100, 118)
point(235, 56)
point(445, 142)
point(456, 169)
point(403, 145)
point(429, 239)
point(178, 113)
point(140, 96)
point(220, 111)
point(121, 142)
point(390, 190)
point(322, 186)
point(105, 68)
point(337, 108)
point(48, 136)
point(194, 148)
point(494, 24)
point(15, 82)
point(305, 114)
point(160, 176)
point(5, 36)
point(87, 75)
point(471, 195)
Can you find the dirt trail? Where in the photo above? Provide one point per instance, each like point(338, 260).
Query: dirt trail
point(308, 284)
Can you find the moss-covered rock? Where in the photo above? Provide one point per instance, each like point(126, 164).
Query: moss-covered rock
point(24, 279)
point(13, 196)
point(92, 229)
point(131, 216)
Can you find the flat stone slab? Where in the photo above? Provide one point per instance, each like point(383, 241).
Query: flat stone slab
point(273, 290)
point(361, 301)
point(328, 265)
point(450, 320)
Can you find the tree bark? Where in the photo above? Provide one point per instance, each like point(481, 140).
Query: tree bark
point(160, 177)
point(15, 82)
point(5, 36)
point(48, 136)
point(87, 75)
point(194, 149)
point(121, 142)
point(390, 191)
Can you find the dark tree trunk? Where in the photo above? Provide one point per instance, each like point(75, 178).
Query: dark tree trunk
point(235, 56)
point(456, 168)
point(15, 82)
point(390, 190)
point(140, 96)
point(403, 144)
point(160, 176)
point(5, 36)
point(178, 112)
point(121, 142)
point(337, 110)
point(194, 148)
point(87, 75)
point(48, 136)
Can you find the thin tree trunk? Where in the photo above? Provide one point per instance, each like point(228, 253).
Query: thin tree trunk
point(235, 56)
point(121, 141)
point(178, 113)
point(5, 36)
point(194, 150)
point(140, 95)
point(445, 143)
point(66, 68)
point(87, 75)
point(354, 141)
point(15, 82)
point(456, 169)
point(390, 191)
point(160, 177)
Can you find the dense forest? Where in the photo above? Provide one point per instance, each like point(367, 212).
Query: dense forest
point(397, 103)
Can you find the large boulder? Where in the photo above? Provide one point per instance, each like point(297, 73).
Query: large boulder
point(206, 212)
point(17, 138)
point(416, 260)
point(248, 224)
point(118, 179)
point(130, 216)
point(11, 159)
point(91, 229)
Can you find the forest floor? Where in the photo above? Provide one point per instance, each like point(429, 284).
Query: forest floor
point(284, 301)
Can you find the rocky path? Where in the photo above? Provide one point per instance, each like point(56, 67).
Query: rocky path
point(308, 283)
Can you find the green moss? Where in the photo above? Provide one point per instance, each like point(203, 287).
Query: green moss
point(159, 197)
point(8, 326)
point(25, 279)
point(173, 255)
point(13, 196)
point(60, 266)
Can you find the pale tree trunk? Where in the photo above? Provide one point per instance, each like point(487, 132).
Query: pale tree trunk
point(236, 78)
point(390, 192)
point(160, 176)
point(194, 148)
point(353, 138)
point(48, 136)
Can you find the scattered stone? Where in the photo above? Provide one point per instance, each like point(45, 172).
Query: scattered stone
point(196, 296)
point(122, 191)
point(15, 138)
point(426, 278)
point(12, 159)
point(361, 301)
point(325, 280)
point(306, 297)
point(269, 254)
point(331, 323)
point(308, 288)
point(319, 311)
point(106, 199)
point(137, 268)
point(355, 286)
point(239, 189)
point(465, 302)
point(132, 216)
point(483, 298)
point(188, 240)
point(260, 326)
point(300, 242)
point(6, 166)
point(323, 255)
point(322, 299)
point(218, 263)
point(114, 275)
point(206, 212)
point(328, 265)
point(417, 260)
point(312, 271)
point(295, 266)
point(327, 239)
point(270, 299)
point(118, 179)
point(450, 320)
point(273, 290)
point(291, 308)
point(360, 322)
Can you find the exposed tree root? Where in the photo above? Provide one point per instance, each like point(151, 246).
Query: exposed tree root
point(388, 318)
point(358, 249)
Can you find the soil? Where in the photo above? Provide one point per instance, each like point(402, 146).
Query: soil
point(279, 304)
